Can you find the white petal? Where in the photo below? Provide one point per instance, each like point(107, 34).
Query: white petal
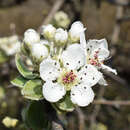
point(45, 42)
point(102, 81)
point(53, 92)
point(48, 31)
point(83, 40)
point(95, 44)
point(89, 75)
point(61, 36)
point(108, 69)
point(82, 95)
point(73, 57)
point(102, 53)
point(76, 29)
point(31, 36)
point(49, 69)
point(39, 51)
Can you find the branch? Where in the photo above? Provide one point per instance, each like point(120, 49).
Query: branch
point(116, 31)
point(112, 103)
point(96, 108)
point(81, 118)
point(56, 126)
point(116, 78)
point(54, 9)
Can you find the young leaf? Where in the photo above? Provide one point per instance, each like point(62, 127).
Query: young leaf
point(19, 81)
point(33, 89)
point(65, 104)
point(34, 116)
point(23, 69)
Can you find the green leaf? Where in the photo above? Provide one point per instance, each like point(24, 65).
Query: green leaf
point(33, 89)
point(23, 69)
point(19, 81)
point(65, 104)
point(34, 116)
point(3, 57)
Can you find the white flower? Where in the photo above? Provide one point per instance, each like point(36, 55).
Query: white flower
point(61, 37)
point(75, 31)
point(39, 51)
point(31, 36)
point(48, 31)
point(96, 52)
point(10, 45)
point(45, 42)
point(74, 76)
point(82, 95)
point(61, 19)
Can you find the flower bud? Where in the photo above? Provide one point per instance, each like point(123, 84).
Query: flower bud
point(75, 31)
point(39, 52)
point(61, 19)
point(61, 37)
point(30, 37)
point(48, 32)
point(10, 45)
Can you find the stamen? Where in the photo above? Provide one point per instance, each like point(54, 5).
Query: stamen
point(69, 77)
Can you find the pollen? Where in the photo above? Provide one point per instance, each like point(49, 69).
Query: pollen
point(94, 61)
point(69, 77)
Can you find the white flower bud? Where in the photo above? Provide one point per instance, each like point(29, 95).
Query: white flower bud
point(61, 19)
point(75, 31)
point(31, 36)
point(61, 37)
point(39, 52)
point(10, 45)
point(45, 42)
point(48, 32)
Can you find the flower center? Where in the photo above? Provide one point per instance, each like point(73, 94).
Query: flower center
point(94, 61)
point(68, 77)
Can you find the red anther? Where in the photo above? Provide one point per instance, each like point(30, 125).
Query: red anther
point(69, 77)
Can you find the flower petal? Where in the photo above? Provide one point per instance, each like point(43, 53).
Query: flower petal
point(53, 92)
point(76, 28)
point(96, 44)
point(89, 75)
point(39, 51)
point(31, 36)
point(102, 53)
point(73, 57)
point(83, 41)
point(49, 69)
point(82, 95)
point(102, 82)
point(108, 69)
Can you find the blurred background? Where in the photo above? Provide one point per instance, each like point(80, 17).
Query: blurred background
point(108, 19)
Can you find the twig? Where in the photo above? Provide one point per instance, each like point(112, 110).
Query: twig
point(56, 126)
point(112, 103)
point(96, 109)
point(116, 31)
point(54, 9)
point(81, 119)
point(116, 78)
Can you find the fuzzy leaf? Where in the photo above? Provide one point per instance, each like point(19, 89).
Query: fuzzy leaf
point(65, 104)
point(34, 116)
point(19, 81)
point(23, 69)
point(33, 90)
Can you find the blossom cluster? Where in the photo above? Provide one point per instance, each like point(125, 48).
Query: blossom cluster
point(67, 64)
point(10, 45)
